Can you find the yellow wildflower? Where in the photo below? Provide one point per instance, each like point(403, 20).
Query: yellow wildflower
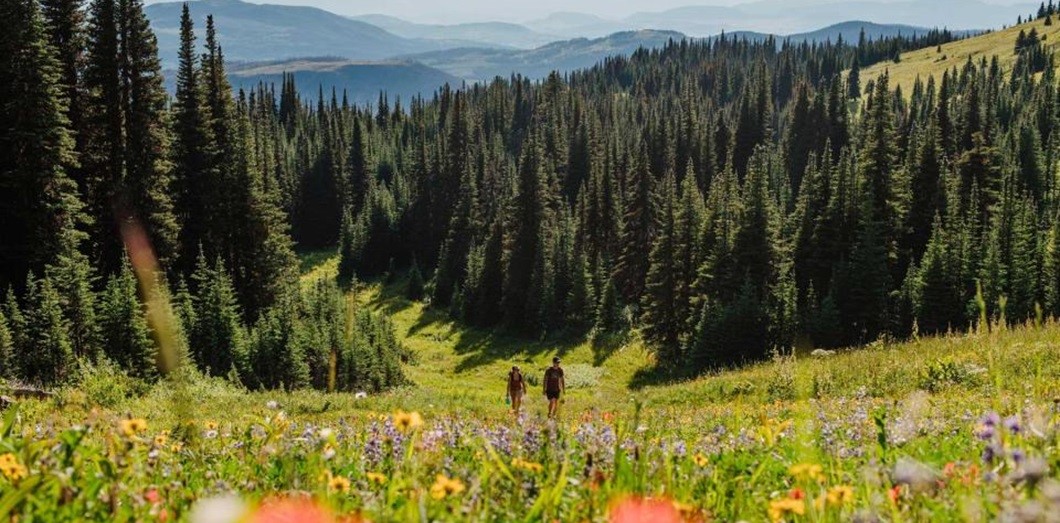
point(700, 460)
point(406, 421)
point(337, 483)
point(784, 507)
point(161, 438)
point(210, 425)
point(840, 495)
point(807, 472)
point(528, 466)
point(772, 430)
point(375, 477)
point(131, 427)
point(444, 487)
point(11, 468)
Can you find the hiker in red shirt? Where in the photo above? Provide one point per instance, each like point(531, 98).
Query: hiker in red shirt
point(516, 388)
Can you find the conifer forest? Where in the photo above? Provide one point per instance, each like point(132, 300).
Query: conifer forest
point(725, 198)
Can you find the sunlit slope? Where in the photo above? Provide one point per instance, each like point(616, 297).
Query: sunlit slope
point(932, 61)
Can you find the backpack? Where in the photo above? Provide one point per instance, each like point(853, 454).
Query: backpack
point(552, 378)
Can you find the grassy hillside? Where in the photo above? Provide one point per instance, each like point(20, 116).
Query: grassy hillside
point(461, 368)
point(928, 62)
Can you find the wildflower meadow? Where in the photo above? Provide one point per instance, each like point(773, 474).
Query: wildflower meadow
point(953, 428)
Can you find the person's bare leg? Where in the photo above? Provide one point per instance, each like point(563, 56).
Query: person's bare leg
point(516, 401)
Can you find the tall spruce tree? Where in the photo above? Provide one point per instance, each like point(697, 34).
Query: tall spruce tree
point(636, 230)
point(36, 148)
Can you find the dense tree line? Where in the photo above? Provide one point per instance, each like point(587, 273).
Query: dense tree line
point(724, 197)
point(92, 144)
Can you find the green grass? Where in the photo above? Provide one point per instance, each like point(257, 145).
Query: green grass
point(928, 62)
point(894, 422)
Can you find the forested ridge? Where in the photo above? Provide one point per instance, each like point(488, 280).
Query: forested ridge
point(722, 197)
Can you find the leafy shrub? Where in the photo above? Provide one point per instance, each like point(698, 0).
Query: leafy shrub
point(577, 376)
point(943, 373)
point(102, 385)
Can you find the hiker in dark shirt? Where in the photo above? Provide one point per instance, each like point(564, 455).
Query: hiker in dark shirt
point(554, 386)
point(516, 388)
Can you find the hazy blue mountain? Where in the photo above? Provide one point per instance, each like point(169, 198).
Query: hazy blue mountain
point(851, 31)
point(792, 16)
point(955, 14)
point(255, 32)
point(483, 64)
point(785, 16)
point(577, 25)
point(492, 34)
point(361, 80)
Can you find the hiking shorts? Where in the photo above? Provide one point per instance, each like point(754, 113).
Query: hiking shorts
point(552, 394)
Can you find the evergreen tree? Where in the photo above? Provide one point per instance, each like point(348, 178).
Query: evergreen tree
point(196, 181)
point(7, 349)
point(275, 350)
point(938, 302)
point(146, 184)
point(44, 355)
point(414, 289)
point(124, 328)
point(216, 337)
point(74, 278)
point(36, 148)
point(636, 230)
point(661, 319)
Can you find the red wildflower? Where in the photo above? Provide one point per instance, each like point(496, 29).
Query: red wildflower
point(640, 510)
point(291, 511)
point(895, 494)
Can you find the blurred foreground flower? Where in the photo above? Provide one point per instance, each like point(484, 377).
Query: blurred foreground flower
point(407, 421)
point(132, 427)
point(444, 487)
point(11, 468)
point(291, 511)
point(640, 510)
point(807, 472)
point(221, 509)
point(780, 509)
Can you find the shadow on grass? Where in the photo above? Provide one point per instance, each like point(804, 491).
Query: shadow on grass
point(482, 347)
point(485, 347)
point(311, 259)
point(660, 375)
point(605, 345)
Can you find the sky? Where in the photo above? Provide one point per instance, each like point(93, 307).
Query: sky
point(454, 11)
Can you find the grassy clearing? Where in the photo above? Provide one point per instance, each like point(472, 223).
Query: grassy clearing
point(928, 62)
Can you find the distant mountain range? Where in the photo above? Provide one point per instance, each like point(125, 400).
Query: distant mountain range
point(787, 16)
point(376, 52)
point(256, 32)
point(495, 34)
point(477, 64)
point(361, 81)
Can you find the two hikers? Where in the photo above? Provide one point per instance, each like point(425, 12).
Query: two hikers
point(554, 387)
